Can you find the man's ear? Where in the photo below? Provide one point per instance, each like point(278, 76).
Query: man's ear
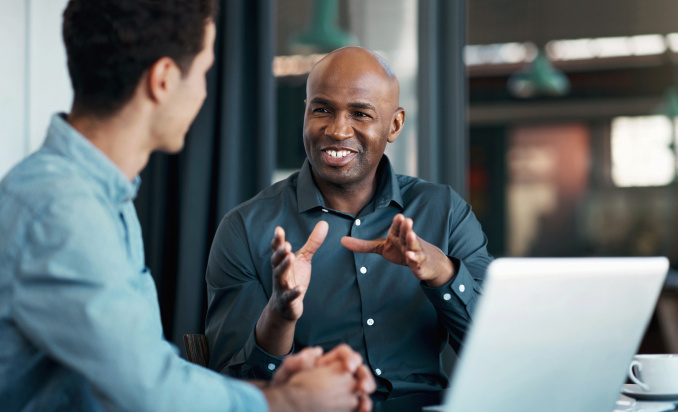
point(397, 123)
point(162, 78)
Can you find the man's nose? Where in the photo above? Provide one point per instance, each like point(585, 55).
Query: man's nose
point(339, 128)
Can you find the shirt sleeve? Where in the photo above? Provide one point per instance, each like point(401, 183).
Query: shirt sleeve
point(236, 298)
point(77, 298)
point(456, 300)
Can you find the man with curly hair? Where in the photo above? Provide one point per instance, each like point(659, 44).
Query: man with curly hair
point(79, 316)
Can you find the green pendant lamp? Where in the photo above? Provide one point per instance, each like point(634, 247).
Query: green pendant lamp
point(539, 78)
point(669, 104)
point(322, 35)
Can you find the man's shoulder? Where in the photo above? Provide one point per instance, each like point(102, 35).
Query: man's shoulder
point(49, 199)
point(283, 191)
point(43, 179)
point(413, 187)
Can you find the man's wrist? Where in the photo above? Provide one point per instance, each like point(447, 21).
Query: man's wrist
point(275, 319)
point(274, 333)
point(447, 273)
point(281, 398)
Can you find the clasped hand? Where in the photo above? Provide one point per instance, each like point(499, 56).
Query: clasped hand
point(335, 381)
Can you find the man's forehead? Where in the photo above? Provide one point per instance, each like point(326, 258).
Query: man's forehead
point(365, 85)
point(332, 93)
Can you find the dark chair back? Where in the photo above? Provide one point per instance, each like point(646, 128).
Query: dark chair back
point(197, 350)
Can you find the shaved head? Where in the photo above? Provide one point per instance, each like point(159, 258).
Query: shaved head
point(356, 60)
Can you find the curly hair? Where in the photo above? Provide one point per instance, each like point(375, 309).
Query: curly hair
point(111, 43)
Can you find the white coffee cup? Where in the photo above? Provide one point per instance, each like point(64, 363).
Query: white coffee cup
point(655, 373)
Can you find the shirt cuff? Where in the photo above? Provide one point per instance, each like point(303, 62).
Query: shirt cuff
point(460, 289)
point(262, 363)
point(243, 396)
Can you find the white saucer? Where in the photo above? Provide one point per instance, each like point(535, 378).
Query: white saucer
point(632, 390)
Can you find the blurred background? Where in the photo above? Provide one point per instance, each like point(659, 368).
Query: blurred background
point(556, 119)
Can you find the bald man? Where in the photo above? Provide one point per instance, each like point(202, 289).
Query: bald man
point(397, 262)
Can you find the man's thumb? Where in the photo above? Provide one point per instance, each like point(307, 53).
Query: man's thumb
point(315, 240)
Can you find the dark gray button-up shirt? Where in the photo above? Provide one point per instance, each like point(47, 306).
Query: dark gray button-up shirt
point(397, 324)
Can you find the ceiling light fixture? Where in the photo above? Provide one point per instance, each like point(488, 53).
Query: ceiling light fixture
point(538, 78)
point(323, 34)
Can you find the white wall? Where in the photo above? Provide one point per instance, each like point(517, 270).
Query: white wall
point(33, 75)
point(390, 27)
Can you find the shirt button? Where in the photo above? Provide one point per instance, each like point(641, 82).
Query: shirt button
point(363, 270)
point(447, 296)
point(325, 210)
point(462, 288)
point(377, 371)
point(271, 367)
point(370, 321)
point(357, 222)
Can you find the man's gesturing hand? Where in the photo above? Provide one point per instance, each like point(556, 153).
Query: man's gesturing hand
point(292, 271)
point(291, 276)
point(403, 247)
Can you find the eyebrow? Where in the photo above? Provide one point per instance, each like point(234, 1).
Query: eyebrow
point(358, 105)
point(320, 100)
point(362, 106)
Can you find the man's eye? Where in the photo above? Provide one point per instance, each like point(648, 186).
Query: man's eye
point(361, 114)
point(320, 110)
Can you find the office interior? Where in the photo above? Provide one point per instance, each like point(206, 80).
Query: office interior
point(555, 119)
point(577, 160)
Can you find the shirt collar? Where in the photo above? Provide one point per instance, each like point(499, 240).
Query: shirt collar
point(388, 190)
point(64, 139)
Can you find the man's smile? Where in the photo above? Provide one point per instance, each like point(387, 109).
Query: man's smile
point(338, 154)
point(337, 157)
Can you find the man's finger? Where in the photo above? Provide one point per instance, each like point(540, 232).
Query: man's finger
point(412, 242)
point(413, 259)
point(394, 230)
point(343, 354)
point(297, 362)
point(366, 383)
point(364, 403)
point(308, 357)
point(281, 271)
point(362, 246)
point(315, 240)
point(280, 253)
point(405, 230)
point(289, 296)
point(278, 238)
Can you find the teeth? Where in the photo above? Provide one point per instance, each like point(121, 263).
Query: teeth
point(338, 154)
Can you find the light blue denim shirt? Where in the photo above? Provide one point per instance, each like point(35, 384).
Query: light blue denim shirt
point(79, 317)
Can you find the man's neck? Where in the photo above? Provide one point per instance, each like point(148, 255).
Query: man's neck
point(349, 198)
point(123, 138)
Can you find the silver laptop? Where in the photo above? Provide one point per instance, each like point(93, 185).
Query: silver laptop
point(555, 334)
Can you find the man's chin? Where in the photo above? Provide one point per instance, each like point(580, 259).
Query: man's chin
point(173, 148)
point(336, 178)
